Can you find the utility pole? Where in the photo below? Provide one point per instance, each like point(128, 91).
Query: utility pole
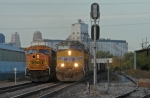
point(95, 35)
point(146, 42)
point(142, 43)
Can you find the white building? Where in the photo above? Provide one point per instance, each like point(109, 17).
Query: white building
point(79, 32)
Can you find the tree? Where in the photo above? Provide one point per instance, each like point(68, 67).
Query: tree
point(143, 61)
point(128, 60)
point(103, 54)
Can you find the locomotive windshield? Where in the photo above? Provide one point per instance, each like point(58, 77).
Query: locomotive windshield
point(32, 51)
point(44, 51)
point(76, 47)
point(71, 47)
point(63, 47)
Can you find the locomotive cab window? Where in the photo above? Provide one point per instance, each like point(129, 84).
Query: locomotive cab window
point(44, 51)
point(32, 51)
point(76, 47)
point(63, 47)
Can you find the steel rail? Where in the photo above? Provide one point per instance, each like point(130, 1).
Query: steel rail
point(128, 93)
point(16, 87)
point(36, 91)
point(59, 90)
point(12, 86)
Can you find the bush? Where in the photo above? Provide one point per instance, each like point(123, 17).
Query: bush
point(139, 73)
point(116, 68)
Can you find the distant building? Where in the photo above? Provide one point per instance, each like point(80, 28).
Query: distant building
point(115, 47)
point(79, 32)
point(37, 35)
point(2, 38)
point(16, 39)
point(48, 42)
point(10, 44)
point(10, 58)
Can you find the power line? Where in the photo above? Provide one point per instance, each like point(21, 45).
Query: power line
point(125, 24)
point(119, 3)
point(70, 27)
point(41, 15)
point(81, 15)
point(33, 28)
point(127, 13)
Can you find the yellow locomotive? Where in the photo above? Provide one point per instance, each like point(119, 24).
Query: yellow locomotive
point(73, 61)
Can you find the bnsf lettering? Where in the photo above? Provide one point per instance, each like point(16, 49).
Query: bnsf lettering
point(37, 62)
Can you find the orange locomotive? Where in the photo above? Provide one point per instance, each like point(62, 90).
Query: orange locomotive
point(40, 63)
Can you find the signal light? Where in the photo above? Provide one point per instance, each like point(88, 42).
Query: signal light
point(95, 11)
point(97, 32)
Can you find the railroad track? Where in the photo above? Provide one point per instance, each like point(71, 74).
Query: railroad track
point(3, 88)
point(146, 96)
point(65, 87)
point(57, 90)
point(124, 95)
point(48, 91)
point(16, 87)
point(37, 92)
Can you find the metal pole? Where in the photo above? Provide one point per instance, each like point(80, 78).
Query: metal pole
point(120, 61)
point(108, 77)
point(15, 71)
point(15, 77)
point(134, 60)
point(108, 74)
point(95, 67)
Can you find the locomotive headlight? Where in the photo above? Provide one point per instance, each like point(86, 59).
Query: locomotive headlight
point(69, 52)
point(76, 64)
point(62, 65)
point(37, 56)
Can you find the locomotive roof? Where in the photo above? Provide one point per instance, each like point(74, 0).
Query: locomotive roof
point(41, 46)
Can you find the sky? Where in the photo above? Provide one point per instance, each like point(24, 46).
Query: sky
point(119, 19)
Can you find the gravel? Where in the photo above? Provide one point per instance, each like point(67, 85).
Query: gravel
point(118, 85)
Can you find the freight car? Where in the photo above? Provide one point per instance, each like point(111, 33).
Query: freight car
point(40, 63)
point(73, 61)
